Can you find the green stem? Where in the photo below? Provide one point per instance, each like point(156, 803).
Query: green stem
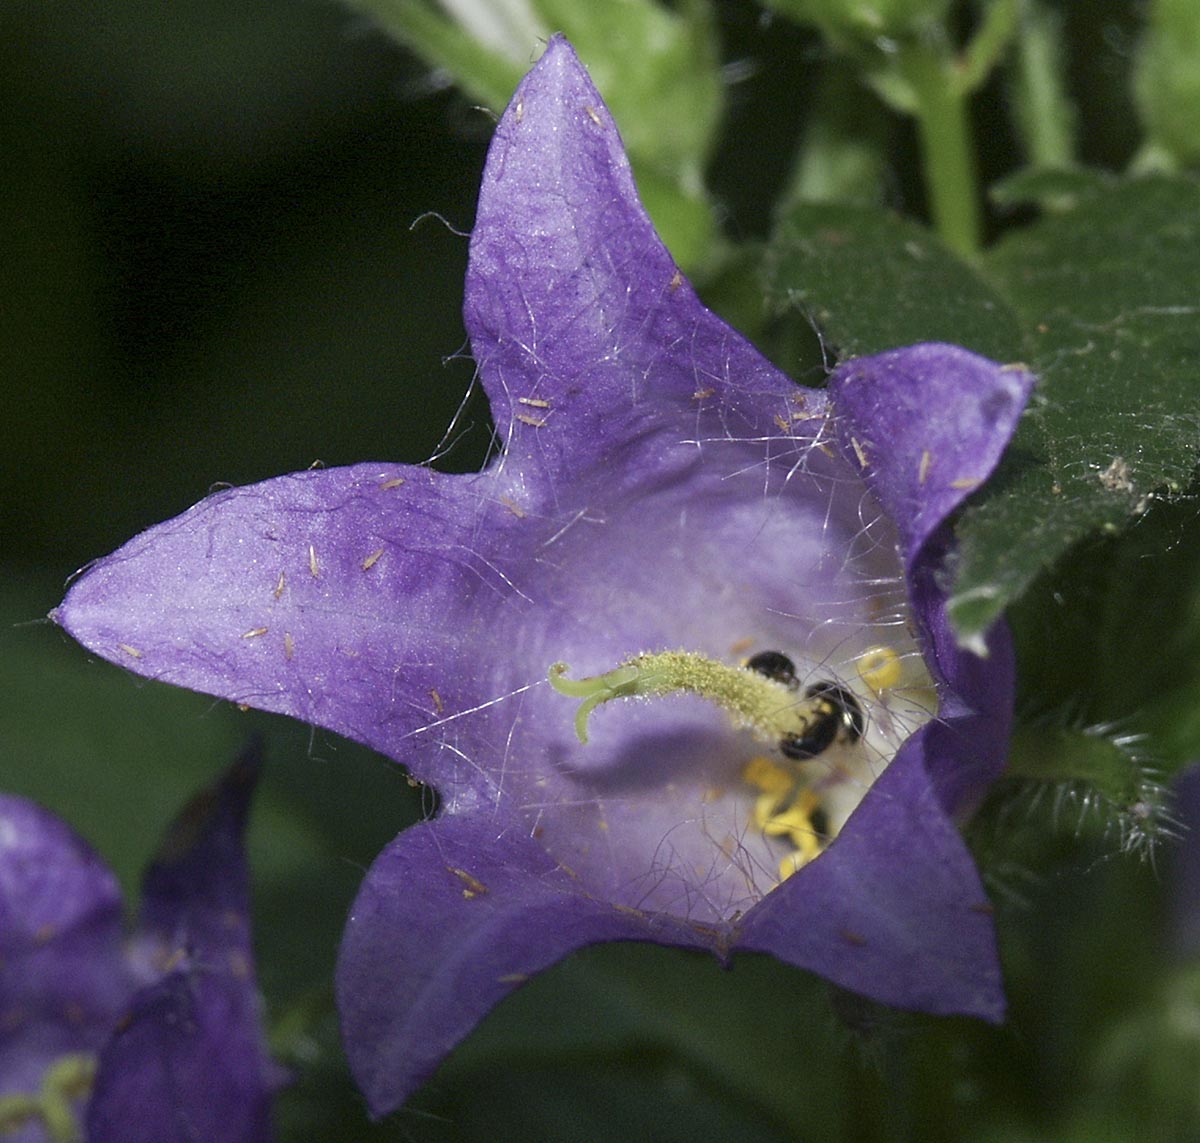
point(1044, 114)
point(997, 28)
point(1063, 755)
point(842, 157)
point(941, 107)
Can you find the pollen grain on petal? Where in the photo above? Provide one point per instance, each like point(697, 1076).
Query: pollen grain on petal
point(513, 507)
point(473, 886)
point(372, 559)
point(924, 465)
point(130, 650)
point(239, 965)
point(395, 482)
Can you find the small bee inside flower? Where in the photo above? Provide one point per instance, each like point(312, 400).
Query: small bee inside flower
point(775, 665)
point(835, 714)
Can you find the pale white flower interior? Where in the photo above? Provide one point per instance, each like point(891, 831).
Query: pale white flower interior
point(658, 811)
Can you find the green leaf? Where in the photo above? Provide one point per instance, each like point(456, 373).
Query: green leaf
point(1054, 189)
point(1167, 80)
point(1092, 781)
point(1092, 651)
point(1101, 300)
point(872, 280)
point(1109, 298)
point(1063, 754)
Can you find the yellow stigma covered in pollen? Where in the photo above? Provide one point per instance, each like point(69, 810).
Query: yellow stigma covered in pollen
point(764, 706)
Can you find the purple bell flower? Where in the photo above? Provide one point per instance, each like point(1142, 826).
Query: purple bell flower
point(152, 1038)
point(787, 783)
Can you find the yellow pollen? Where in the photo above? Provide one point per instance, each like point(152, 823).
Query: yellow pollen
point(785, 809)
point(879, 668)
point(790, 862)
point(769, 777)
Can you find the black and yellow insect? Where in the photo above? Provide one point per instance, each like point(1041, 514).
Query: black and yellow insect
point(835, 711)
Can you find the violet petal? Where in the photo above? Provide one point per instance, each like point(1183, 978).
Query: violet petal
point(196, 891)
point(454, 915)
point(186, 1064)
point(572, 299)
point(342, 597)
point(894, 908)
point(64, 981)
point(927, 426)
point(188, 1060)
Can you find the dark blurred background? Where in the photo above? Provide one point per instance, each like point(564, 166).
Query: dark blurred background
point(211, 266)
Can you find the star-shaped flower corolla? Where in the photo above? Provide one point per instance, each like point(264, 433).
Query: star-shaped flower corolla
point(661, 488)
point(154, 1038)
